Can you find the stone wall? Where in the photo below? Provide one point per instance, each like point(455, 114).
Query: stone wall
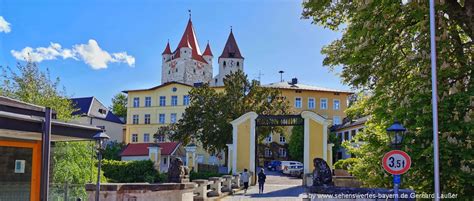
point(142, 191)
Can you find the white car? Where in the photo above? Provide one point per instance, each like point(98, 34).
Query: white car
point(291, 167)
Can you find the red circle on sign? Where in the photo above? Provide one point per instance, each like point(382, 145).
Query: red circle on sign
point(392, 153)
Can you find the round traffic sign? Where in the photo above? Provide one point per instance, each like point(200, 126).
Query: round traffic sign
point(396, 162)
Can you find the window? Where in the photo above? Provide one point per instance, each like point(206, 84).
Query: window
point(336, 120)
point(238, 64)
point(174, 89)
point(165, 160)
point(336, 104)
point(282, 152)
point(297, 102)
point(160, 138)
point(136, 102)
point(147, 118)
point(174, 100)
point(162, 100)
point(135, 119)
point(134, 137)
point(146, 137)
point(346, 135)
point(324, 103)
point(269, 138)
point(186, 100)
point(173, 118)
point(311, 103)
point(147, 101)
point(161, 118)
point(268, 152)
point(353, 133)
point(282, 138)
point(224, 63)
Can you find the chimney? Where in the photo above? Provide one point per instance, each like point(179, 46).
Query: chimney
point(294, 81)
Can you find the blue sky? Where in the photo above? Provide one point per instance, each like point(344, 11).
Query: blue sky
point(130, 36)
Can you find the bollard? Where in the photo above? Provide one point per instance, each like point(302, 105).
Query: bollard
point(227, 183)
point(215, 187)
point(236, 181)
point(201, 189)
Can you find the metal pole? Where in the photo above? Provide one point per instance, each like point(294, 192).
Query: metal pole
point(45, 154)
point(97, 190)
point(434, 98)
point(395, 191)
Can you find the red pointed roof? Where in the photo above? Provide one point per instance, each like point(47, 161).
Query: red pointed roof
point(189, 39)
point(231, 49)
point(167, 49)
point(207, 51)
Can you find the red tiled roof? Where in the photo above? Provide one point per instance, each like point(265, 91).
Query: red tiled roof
point(189, 39)
point(141, 149)
point(167, 49)
point(231, 49)
point(207, 51)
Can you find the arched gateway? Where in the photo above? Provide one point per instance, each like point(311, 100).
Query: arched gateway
point(242, 150)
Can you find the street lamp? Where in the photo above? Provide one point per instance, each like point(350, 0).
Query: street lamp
point(101, 143)
point(396, 133)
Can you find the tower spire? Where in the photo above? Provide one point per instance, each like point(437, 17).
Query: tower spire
point(231, 49)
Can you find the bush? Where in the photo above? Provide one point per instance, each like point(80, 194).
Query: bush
point(203, 175)
point(345, 164)
point(130, 171)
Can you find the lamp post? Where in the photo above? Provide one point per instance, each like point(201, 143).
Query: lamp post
point(101, 143)
point(396, 133)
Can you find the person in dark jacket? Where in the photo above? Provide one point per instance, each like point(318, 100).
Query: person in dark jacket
point(261, 180)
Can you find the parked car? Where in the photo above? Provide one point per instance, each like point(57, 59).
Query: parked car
point(290, 166)
point(274, 165)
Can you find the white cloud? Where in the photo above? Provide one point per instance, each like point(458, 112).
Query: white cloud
point(90, 53)
point(4, 25)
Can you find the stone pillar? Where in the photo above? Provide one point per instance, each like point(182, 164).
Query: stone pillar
point(215, 186)
point(230, 148)
point(227, 183)
point(329, 157)
point(201, 189)
point(236, 181)
point(154, 153)
point(191, 157)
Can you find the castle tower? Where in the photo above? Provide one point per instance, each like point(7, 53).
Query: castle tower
point(207, 55)
point(186, 64)
point(230, 60)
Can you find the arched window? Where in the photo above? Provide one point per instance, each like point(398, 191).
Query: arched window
point(224, 63)
point(238, 63)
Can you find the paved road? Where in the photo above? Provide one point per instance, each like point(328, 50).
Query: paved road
point(277, 187)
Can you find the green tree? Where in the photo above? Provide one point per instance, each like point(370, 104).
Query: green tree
point(72, 162)
point(385, 52)
point(207, 118)
point(113, 150)
point(119, 105)
point(296, 145)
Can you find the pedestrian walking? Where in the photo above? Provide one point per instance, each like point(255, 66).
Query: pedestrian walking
point(245, 178)
point(261, 180)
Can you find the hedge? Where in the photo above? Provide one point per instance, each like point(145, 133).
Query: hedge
point(130, 171)
point(203, 175)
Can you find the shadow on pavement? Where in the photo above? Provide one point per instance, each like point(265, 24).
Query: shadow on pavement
point(294, 191)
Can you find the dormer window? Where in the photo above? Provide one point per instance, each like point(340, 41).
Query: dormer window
point(102, 111)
